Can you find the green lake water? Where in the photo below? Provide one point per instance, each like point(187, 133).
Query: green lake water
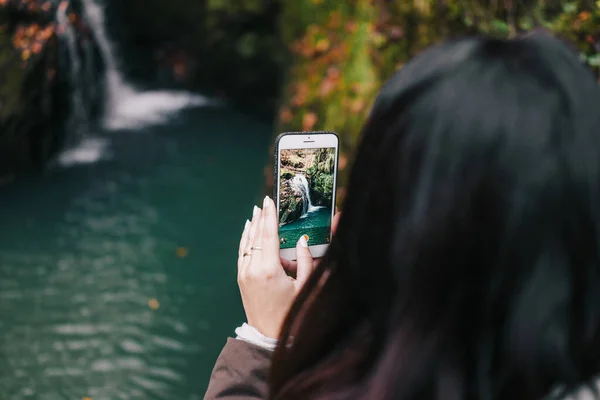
point(315, 224)
point(85, 249)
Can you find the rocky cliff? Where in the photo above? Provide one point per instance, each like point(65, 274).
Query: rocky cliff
point(36, 82)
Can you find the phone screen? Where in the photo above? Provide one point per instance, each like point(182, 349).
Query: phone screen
point(306, 195)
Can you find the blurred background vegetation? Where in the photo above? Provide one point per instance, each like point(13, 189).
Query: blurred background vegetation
point(319, 63)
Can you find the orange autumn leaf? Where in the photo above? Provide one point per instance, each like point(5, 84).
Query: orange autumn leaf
point(335, 20)
point(36, 48)
point(357, 105)
point(32, 29)
point(309, 120)
point(25, 54)
point(299, 99)
point(182, 252)
point(285, 115)
point(322, 45)
point(327, 86)
point(153, 304)
point(584, 15)
point(351, 26)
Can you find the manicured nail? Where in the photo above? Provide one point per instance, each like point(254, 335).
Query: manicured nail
point(246, 225)
point(266, 202)
point(255, 211)
point(302, 241)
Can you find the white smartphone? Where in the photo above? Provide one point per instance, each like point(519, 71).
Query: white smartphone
point(306, 165)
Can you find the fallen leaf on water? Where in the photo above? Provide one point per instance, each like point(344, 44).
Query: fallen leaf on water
point(153, 304)
point(182, 252)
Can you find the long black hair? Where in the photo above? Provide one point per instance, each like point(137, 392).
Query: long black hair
point(466, 264)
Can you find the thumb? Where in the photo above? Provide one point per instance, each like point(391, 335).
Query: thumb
point(304, 261)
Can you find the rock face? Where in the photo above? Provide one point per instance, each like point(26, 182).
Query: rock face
point(291, 202)
point(321, 178)
point(36, 84)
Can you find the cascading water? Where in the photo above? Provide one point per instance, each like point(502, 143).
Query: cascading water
point(128, 108)
point(79, 117)
point(301, 184)
point(82, 146)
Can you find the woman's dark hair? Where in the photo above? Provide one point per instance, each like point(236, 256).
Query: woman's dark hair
point(466, 264)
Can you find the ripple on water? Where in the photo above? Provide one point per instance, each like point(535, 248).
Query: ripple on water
point(84, 319)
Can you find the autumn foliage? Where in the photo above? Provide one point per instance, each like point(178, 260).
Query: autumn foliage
point(343, 51)
point(29, 38)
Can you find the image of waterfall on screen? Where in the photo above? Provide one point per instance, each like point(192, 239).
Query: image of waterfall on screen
point(306, 181)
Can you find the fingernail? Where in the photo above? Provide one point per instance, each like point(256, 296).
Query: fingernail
point(255, 211)
point(302, 241)
point(247, 224)
point(266, 202)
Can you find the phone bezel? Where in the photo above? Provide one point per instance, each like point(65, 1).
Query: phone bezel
point(306, 140)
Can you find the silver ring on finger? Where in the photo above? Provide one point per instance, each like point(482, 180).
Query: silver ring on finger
point(255, 248)
point(248, 253)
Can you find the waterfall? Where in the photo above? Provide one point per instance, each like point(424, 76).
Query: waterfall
point(79, 118)
point(301, 184)
point(82, 147)
point(127, 107)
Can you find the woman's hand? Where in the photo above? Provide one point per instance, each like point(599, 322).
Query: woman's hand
point(267, 291)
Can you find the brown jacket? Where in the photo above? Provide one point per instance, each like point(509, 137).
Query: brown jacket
point(240, 373)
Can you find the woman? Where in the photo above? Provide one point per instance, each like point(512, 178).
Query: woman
point(466, 264)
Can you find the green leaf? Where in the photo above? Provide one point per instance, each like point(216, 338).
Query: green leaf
point(500, 26)
point(594, 60)
point(570, 8)
point(247, 44)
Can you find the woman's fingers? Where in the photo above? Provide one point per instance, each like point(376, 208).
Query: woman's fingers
point(304, 261)
point(258, 240)
point(267, 238)
point(253, 227)
point(270, 237)
point(244, 239)
point(251, 233)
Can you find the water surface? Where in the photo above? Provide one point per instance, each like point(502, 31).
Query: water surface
point(117, 277)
